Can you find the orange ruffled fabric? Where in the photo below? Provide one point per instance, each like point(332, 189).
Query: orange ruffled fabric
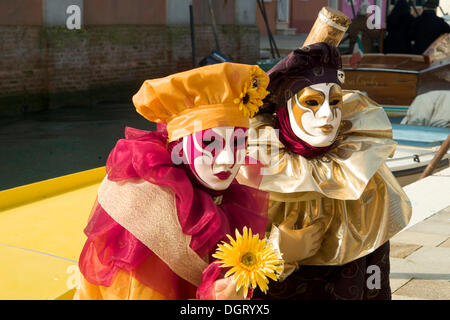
point(125, 286)
point(109, 274)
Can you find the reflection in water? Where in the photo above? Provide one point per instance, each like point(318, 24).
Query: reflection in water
point(52, 143)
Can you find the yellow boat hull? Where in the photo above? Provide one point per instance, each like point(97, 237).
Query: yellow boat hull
point(41, 235)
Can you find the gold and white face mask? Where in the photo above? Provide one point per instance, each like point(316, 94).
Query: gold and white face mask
point(315, 113)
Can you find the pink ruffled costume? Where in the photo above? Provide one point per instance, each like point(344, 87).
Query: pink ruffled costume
point(115, 262)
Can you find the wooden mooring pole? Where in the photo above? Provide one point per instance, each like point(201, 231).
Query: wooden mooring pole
point(436, 159)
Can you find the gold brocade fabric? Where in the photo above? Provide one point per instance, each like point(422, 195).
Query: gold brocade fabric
point(149, 212)
point(349, 189)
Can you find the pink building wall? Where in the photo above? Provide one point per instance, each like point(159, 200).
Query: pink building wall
point(141, 12)
point(21, 12)
point(304, 13)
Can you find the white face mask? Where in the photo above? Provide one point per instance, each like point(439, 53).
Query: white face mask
point(215, 155)
point(315, 113)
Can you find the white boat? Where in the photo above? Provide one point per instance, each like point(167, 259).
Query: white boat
point(417, 146)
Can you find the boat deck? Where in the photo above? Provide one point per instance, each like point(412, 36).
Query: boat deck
point(419, 135)
point(416, 147)
point(41, 235)
point(392, 61)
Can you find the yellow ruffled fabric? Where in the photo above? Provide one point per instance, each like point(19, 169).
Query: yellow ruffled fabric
point(124, 287)
point(349, 189)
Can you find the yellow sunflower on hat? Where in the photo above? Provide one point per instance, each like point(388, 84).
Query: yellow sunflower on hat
point(253, 92)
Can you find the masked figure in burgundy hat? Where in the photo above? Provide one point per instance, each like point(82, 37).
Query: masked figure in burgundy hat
point(334, 203)
point(170, 196)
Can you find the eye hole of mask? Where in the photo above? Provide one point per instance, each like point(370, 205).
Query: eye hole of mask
point(335, 102)
point(208, 141)
point(312, 103)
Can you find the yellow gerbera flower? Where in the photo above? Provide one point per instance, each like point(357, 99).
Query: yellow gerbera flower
point(252, 261)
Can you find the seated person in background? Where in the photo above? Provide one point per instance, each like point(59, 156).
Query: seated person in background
point(397, 26)
point(427, 27)
point(359, 24)
point(430, 109)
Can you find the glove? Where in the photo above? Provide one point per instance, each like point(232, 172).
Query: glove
point(299, 244)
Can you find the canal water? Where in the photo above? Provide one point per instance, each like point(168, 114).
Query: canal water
point(57, 142)
point(52, 143)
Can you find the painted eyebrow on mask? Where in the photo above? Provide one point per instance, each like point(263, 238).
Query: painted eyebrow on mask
point(335, 90)
point(335, 96)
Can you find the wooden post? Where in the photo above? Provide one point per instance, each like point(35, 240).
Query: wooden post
point(414, 7)
point(213, 24)
point(353, 8)
point(330, 26)
point(191, 20)
point(436, 159)
point(273, 45)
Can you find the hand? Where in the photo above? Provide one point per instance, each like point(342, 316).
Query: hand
point(226, 290)
point(299, 244)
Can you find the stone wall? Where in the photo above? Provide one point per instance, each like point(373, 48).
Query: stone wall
point(47, 67)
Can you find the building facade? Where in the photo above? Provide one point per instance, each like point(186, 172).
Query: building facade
point(288, 17)
point(55, 52)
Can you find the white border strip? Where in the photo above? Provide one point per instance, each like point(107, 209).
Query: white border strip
point(331, 22)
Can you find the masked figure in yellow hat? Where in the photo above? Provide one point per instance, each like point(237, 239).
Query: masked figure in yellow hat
point(334, 203)
point(170, 196)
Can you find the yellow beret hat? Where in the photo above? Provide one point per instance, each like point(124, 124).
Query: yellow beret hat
point(218, 95)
